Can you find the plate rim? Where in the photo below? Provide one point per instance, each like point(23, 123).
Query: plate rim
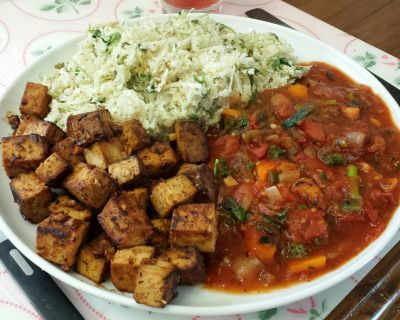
point(319, 284)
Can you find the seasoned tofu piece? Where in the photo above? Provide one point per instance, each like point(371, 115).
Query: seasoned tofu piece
point(125, 221)
point(66, 205)
point(53, 169)
point(23, 153)
point(194, 225)
point(90, 185)
point(127, 171)
point(160, 236)
point(103, 153)
point(94, 259)
point(134, 136)
point(32, 196)
point(125, 264)
point(58, 239)
point(203, 179)
point(69, 151)
point(156, 283)
point(191, 141)
point(168, 194)
point(87, 128)
point(33, 125)
point(189, 262)
point(35, 101)
point(159, 159)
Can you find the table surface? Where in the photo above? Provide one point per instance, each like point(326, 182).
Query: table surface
point(30, 28)
point(381, 30)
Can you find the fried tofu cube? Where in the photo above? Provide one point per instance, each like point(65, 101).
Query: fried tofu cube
point(53, 169)
point(159, 159)
point(87, 128)
point(32, 125)
point(69, 151)
point(23, 153)
point(191, 141)
point(156, 283)
point(125, 264)
point(203, 179)
point(32, 196)
point(35, 100)
point(94, 259)
point(90, 185)
point(160, 236)
point(127, 171)
point(66, 205)
point(125, 221)
point(103, 153)
point(194, 225)
point(58, 239)
point(168, 194)
point(134, 136)
point(189, 262)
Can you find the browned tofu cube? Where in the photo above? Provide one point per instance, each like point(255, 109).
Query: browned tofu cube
point(35, 101)
point(160, 236)
point(124, 266)
point(156, 283)
point(191, 141)
point(53, 169)
point(87, 128)
point(203, 178)
point(103, 153)
point(194, 225)
point(134, 136)
point(58, 239)
point(168, 194)
point(24, 153)
point(125, 221)
point(127, 171)
point(32, 195)
point(94, 259)
point(66, 205)
point(69, 151)
point(90, 185)
point(189, 262)
point(32, 125)
point(159, 159)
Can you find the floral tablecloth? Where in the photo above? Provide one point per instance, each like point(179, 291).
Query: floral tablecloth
point(29, 28)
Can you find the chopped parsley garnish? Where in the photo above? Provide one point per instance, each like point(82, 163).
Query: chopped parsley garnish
point(199, 79)
point(277, 62)
point(303, 112)
point(273, 177)
point(194, 21)
point(303, 206)
point(235, 209)
point(194, 117)
point(297, 251)
point(254, 91)
point(107, 40)
point(221, 169)
point(59, 65)
point(323, 176)
point(274, 152)
point(334, 159)
point(264, 240)
point(250, 165)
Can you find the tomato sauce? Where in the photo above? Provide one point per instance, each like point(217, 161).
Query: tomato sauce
point(308, 177)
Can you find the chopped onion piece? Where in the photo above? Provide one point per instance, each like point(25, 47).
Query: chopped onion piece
point(356, 138)
point(246, 267)
point(289, 176)
point(274, 194)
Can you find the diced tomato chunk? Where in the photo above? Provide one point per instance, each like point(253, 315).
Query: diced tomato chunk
point(257, 151)
point(381, 200)
point(313, 130)
point(303, 226)
point(370, 212)
point(282, 106)
point(253, 121)
point(225, 147)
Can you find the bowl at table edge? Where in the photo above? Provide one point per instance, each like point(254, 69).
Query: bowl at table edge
point(194, 300)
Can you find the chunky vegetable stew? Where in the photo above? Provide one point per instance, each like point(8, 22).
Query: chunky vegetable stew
point(308, 178)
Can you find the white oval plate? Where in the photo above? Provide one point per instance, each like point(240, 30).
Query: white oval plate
point(194, 300)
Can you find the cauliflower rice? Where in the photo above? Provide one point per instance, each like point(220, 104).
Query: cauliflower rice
point(160, 71)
